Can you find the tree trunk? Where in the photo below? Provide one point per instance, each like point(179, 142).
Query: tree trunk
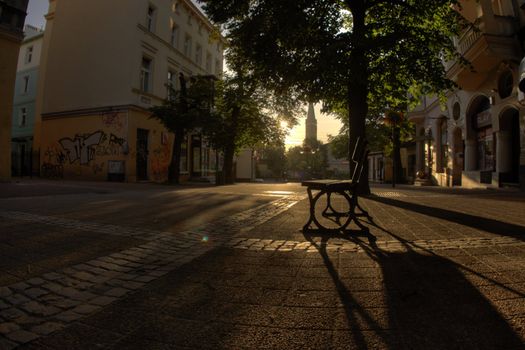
point(396, 149)
point(174, 168)
point(358, 90)
point(229, 150)
point(229, 173)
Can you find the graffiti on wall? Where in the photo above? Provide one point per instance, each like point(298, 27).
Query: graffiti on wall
point(53, 163)
point(82, 147)
point(113, 120)
point(160, 161)
point(115, 146)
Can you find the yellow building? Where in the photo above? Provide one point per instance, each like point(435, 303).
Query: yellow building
point(12, 18)
point(104, 64)
point(477, 139)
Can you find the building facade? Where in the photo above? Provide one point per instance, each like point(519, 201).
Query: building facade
point(12, 17)
point(477, 138)
point(100, 75)
point(24, 101)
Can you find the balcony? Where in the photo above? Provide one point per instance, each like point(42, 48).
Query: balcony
point(485, 47)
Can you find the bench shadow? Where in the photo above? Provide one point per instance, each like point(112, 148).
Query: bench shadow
point(485, 224)
point(430, 302)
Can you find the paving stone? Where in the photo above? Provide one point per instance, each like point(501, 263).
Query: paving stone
point(8, 327)
point(16, 299)
point(144, 279)
point(38, 309)
point(19, 286)
point(52, 276)
point(102, 300)
point(6, 344)
point(68, 316)
point(12, 313)
point(5, 291)
point(36, 281)
point(116, 292)
point(4, 305)
point(85, 309)
point(47, 328)
point(22, 336)
point(34, 293)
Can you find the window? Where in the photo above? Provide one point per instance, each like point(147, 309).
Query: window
point(145, 74)
point(29, 54)
point(150, 20)
point(22, 117)
point(174, 35)
point(175, 7)
point(208, 62)
point(187, 46)
point(25, 84)
point(171, 84)
point(198, 54)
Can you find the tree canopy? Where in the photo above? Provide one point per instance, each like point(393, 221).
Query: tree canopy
point(246, 114)
point(182, 111)
point(357, 53)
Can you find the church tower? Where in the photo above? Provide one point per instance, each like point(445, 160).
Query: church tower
point(311, 123)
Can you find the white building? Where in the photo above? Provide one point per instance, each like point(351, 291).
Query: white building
point(24, 101)
point(104, 64)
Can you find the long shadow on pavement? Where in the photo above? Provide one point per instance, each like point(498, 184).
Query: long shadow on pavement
point(477, 222)
point(431, 305)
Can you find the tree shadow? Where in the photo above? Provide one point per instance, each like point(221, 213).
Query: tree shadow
point(431, 304)
point(485, 224)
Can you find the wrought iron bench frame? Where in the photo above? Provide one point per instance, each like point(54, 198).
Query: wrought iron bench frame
point(348, 189)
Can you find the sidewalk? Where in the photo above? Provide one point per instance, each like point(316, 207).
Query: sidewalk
point(447, 272)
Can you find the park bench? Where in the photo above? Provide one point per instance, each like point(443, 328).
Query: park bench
point(348, 189)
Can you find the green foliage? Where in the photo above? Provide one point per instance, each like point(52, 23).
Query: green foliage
point(275, 158)
point(307, 161)
point(183, 111)
point(246, 114)
point(364, 55)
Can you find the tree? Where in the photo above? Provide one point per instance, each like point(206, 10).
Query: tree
point(274, 155)
point(381, 136)
point(245, 114)
point(181, 112)
point(309, 160)
point(356, 53)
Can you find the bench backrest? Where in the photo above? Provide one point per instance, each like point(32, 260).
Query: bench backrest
point(359, 157)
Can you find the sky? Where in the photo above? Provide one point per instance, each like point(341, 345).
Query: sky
point(326, 124)
point(36, 11)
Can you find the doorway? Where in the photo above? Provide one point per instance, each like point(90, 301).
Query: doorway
point(142, 154)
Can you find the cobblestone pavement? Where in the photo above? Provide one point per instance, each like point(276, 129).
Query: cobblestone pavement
point(49, 302)
point(447, 271)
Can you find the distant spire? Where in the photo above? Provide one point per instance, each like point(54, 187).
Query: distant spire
point(311, 123)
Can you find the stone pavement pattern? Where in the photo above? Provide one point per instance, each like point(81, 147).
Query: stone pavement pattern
point(445, 273)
